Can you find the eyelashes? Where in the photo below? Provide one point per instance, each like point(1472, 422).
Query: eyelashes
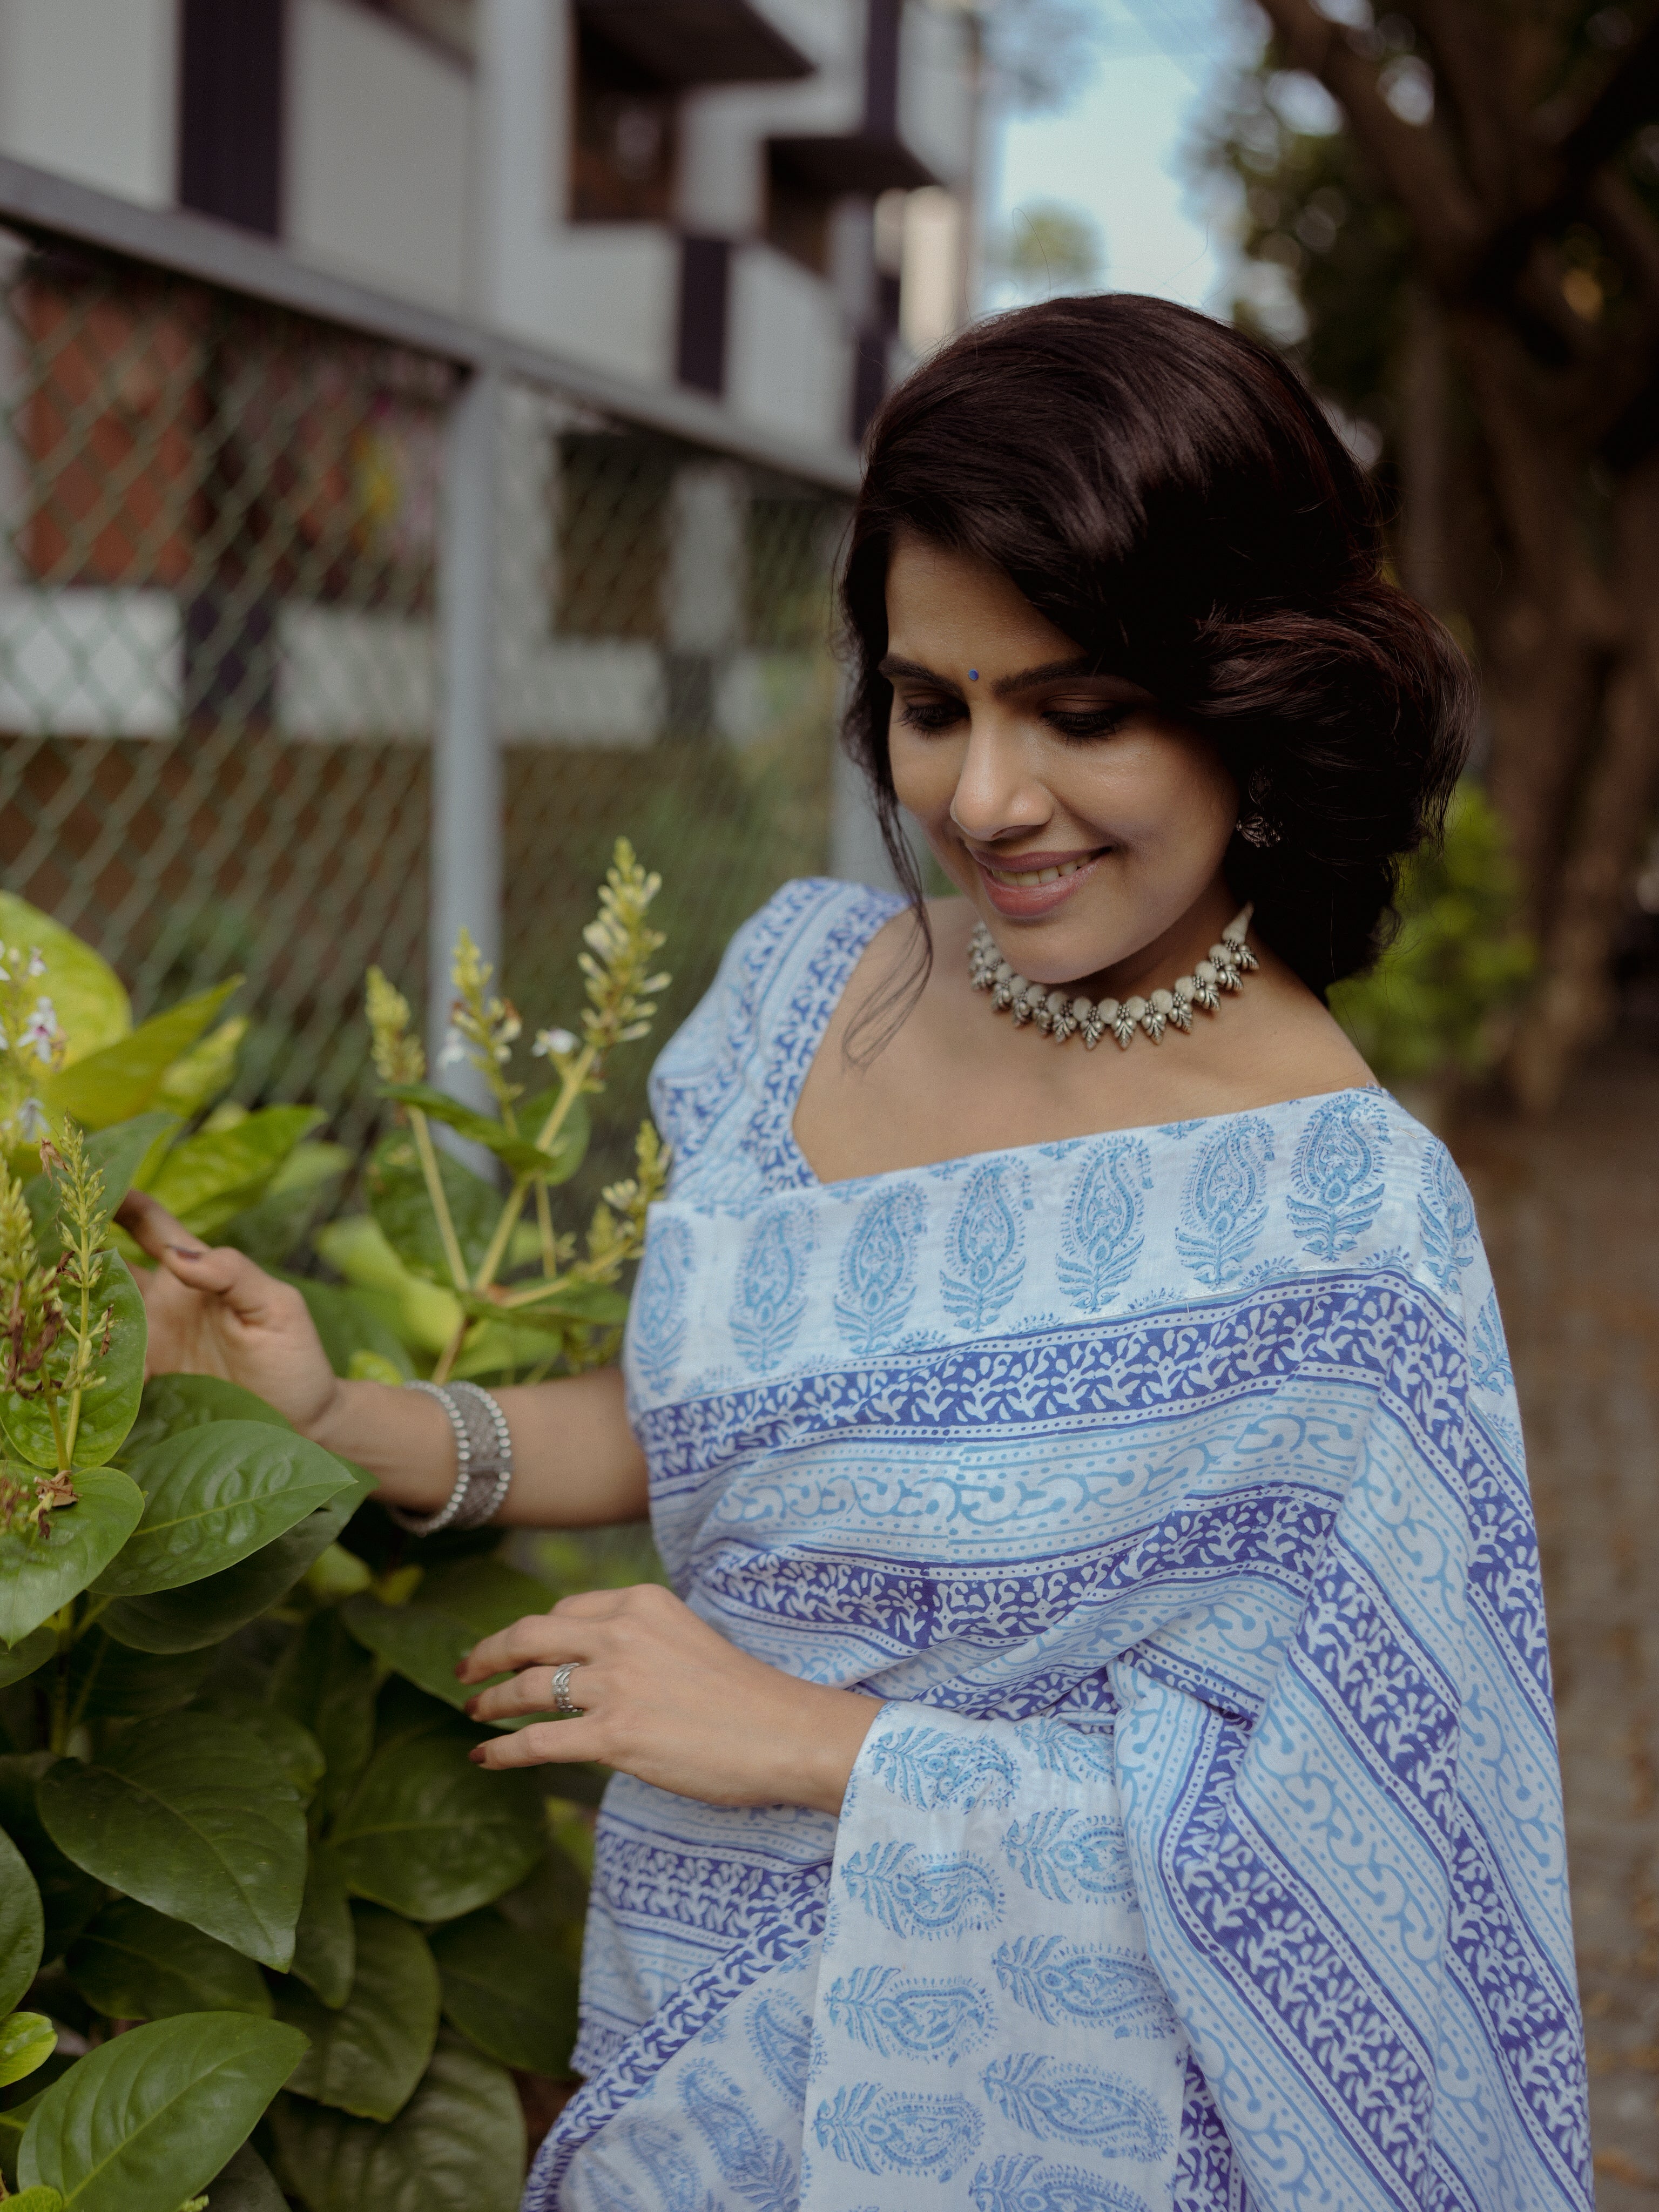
point(1079, 724)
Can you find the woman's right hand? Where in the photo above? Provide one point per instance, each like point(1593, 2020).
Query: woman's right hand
point(214, 1312)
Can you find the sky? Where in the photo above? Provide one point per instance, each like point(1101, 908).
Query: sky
point(1113, 154)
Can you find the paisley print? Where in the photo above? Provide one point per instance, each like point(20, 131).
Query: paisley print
point(1223, 1205)
point(1060, 2102)
point(1100, 1236)
point(656, 1318)
point(890, 2013)
point(1446, 1214)
point(1336, 1185)
point(987, 1245)
point(889, 2130)
point(771, 1304)
point(878, 1269)
point(1157, 1487)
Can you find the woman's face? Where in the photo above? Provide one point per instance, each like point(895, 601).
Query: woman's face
point(1081, 824)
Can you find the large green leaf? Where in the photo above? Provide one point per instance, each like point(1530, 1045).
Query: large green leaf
point(247, 2184)
point(123, 1079)
point(457, 2146)
point(207, 1611)
point(367, 2056)
point(518, 1155)
point(13, 2124)
point(69, 1897)
point(325, 1682)
point(291, 1745)
point(186, 1815)
point(214, 1174)
point(136, 1964)
point(107, 1410)
point(36, 1648)
point(325, 1941)
point(23, 1924)
point(214, 1494)
point(426, 1832)
point(27, 2039)
point(515, 1999)
point(206, 1071)
point(301, 1192)
point(358, 1320)
point(40, 1574)
point(397, 1198)
point(109, 1681)
point(173, 1403)
point(144, 2120)
point(92, 1007)
point(454, 1609)
point(117, 1153)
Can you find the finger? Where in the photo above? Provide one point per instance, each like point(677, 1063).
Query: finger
point(536, 1640)
point(529, 1692)
point(147, 1221)
point(592, 1605)
point(243, 1285)
point(546, 1743)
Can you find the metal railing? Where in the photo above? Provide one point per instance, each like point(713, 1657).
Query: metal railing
point(329, 624)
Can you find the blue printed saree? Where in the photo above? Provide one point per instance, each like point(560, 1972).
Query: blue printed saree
point(1167, 1485)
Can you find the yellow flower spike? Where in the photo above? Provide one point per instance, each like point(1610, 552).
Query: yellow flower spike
point(398, 1056)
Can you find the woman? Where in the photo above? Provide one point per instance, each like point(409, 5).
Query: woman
point(1098, 1751)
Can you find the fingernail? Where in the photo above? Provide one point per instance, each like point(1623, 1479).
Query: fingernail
point(470, 1707)
point(188, 1251)
point(460, 1670)
point(477, 1754)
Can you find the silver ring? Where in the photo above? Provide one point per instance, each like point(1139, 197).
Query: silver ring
point(562, 1703)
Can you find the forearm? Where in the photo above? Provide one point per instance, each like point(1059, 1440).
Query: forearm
point(576, 1461)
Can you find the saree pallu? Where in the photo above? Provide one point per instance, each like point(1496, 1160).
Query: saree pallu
point(1167, 1487)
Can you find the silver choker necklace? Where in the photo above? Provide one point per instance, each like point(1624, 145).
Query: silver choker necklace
point(1062, 1017)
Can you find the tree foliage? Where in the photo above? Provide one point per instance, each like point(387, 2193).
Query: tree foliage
point(1450, 212)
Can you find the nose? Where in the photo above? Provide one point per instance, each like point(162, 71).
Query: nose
point(998, 793)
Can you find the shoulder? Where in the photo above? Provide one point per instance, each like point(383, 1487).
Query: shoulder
point(784, 969)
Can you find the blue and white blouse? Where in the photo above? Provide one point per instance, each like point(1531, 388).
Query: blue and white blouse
point(1208, 1851)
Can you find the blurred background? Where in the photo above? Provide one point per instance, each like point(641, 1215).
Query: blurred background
point(426, 431)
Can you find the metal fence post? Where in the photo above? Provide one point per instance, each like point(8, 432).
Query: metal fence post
point(466, 880)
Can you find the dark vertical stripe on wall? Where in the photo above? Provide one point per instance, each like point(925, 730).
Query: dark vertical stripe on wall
point(705, 286)
point(230, 111)
point(881, 69)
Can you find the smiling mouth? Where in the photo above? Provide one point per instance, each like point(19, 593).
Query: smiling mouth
point(1048, 872)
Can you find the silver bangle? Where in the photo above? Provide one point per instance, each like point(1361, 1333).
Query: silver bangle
point(483, 1461)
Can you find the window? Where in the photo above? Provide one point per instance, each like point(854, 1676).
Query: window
point(624, 140)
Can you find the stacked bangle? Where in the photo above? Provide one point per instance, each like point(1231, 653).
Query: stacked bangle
point(483, 1461)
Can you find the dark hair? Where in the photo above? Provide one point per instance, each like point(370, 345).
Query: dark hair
point(1169, 495)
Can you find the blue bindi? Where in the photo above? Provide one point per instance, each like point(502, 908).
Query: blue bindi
point(973, 676)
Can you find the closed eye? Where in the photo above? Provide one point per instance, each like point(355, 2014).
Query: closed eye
point(1083, 722)
point(931, 714)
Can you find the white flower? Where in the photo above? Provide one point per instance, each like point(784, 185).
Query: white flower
point(454, 1049)
point(31, 1120)
point(553, 1044)
point(41, 1029)
point(37, 966)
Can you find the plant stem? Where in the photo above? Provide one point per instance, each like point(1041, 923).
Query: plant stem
point(504, 1228)
point(435, 1191)
point(544, 1225)
point(575, 1081)
point(58, 1437)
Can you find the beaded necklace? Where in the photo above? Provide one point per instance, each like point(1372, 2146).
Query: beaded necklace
point(1223, 968)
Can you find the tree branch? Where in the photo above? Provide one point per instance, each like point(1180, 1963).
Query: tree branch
point(1415, 166)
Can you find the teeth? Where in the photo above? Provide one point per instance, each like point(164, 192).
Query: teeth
point(1030, 877)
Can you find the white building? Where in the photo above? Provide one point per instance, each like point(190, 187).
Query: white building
point(759, 200)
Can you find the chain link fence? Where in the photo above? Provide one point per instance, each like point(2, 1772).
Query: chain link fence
point(220, 549)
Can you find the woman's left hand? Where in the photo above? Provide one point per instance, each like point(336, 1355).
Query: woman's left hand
point(666, 1697)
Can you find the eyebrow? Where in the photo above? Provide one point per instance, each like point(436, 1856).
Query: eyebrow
point(1051, 671)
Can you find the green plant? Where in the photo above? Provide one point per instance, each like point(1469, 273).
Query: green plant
point(297, 1940)
point(1438, 1002)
